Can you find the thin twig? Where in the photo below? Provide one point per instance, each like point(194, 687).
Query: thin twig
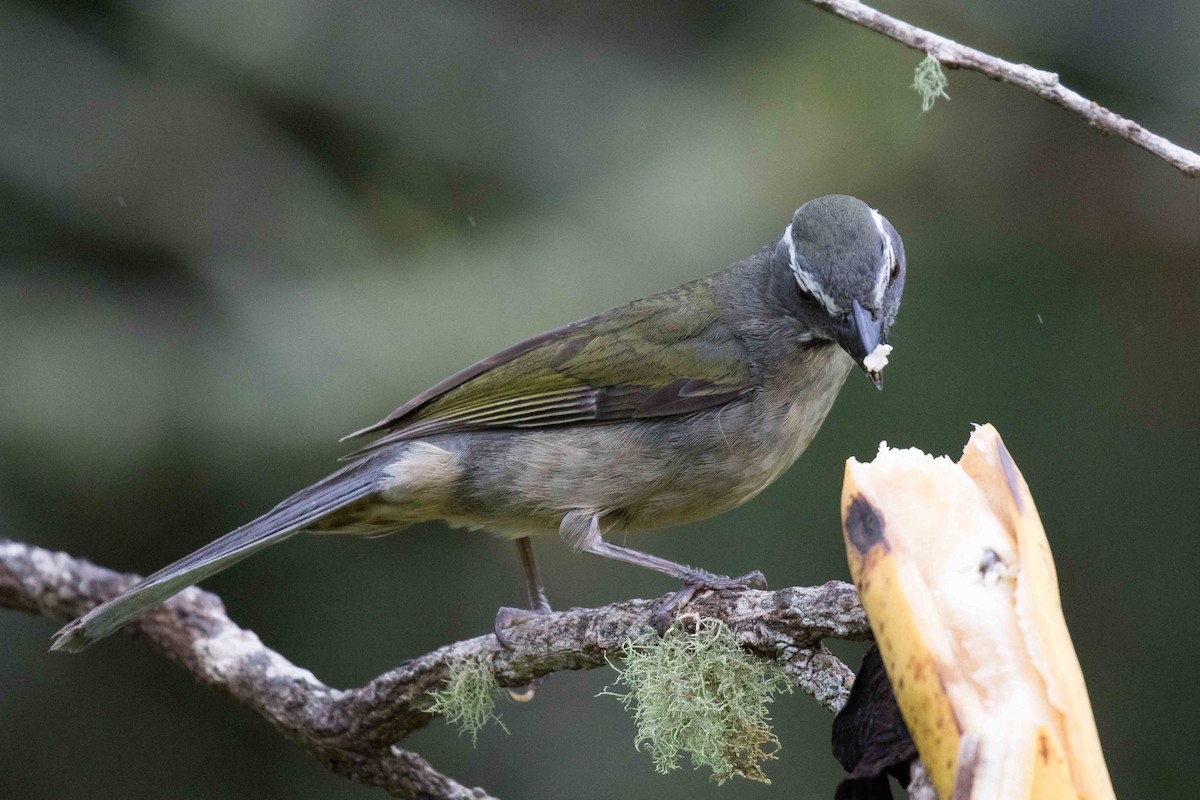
point(1044, 84)
point(355, 732)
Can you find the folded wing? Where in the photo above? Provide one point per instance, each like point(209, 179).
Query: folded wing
point(660, 356)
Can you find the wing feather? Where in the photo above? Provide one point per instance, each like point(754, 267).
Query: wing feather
point(664, 355)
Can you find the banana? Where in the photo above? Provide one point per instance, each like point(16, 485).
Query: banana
point(955, 573)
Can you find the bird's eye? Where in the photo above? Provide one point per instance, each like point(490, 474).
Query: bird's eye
point(895, 271)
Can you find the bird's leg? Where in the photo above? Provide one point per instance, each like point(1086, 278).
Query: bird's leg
point(694, 580)
point(701, 579)
point(533, 581)
point(538, 604)
point(509, 617)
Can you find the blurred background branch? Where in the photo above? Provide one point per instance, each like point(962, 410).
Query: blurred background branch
point(354, 733)
point(1044, 84)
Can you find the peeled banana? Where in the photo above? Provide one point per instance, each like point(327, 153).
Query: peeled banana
point(957, 579)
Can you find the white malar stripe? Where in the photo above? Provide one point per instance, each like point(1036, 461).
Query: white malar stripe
point(807, 281)
point(889, 255)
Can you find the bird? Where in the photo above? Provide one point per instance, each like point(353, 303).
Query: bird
point(669, 409)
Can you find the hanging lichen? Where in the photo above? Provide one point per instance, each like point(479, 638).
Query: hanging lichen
point(696, 691)
point(930, 81)
point(468, 700)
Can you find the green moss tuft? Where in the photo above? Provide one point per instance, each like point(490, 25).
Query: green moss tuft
point(930, 82)
point(695, 691)
point(468, 700)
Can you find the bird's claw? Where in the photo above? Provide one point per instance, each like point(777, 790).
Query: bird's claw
point(506, 619)
point(702, 580)
point(509, 618)
point(698, 580)
point(750, 579)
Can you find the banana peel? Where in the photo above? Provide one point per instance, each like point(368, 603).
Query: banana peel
point(956, 576)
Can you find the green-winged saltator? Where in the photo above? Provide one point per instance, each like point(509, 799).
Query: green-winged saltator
point(669, 409)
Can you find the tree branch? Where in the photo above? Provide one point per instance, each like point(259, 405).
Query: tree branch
point(354, 733)
point(1044, 84)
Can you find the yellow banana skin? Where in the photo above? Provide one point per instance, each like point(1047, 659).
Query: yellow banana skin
point(957, 579)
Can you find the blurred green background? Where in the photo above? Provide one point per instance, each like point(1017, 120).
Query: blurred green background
point(233, 232)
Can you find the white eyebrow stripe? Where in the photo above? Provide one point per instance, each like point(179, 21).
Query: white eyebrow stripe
point(807, 281)
point(889, 255)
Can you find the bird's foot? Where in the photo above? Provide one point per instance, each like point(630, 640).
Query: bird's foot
point(507, 619)
point(702, 579)
point(696, 581)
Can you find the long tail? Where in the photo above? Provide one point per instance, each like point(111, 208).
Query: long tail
point(286, 519)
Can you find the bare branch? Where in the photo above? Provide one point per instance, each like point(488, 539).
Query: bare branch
point(355, 732)
point(193, 630)
point(1044, 84)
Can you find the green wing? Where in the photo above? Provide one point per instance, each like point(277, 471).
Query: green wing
point(663, 355)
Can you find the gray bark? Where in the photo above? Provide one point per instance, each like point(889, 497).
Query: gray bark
point(356, 732)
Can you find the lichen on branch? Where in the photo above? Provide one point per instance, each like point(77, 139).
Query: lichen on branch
point(468, 699)
point(695, 691)
point(356, 732)
point(930, 81)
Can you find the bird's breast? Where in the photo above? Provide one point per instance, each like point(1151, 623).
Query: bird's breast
point(798, 400)
point(733, 454)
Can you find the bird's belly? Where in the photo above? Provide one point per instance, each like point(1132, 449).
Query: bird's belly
point(641, 474)
point(630, 486)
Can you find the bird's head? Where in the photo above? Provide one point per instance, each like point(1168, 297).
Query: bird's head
point(848, 264)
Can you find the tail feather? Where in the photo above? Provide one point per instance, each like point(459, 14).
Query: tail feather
point(286, 519)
